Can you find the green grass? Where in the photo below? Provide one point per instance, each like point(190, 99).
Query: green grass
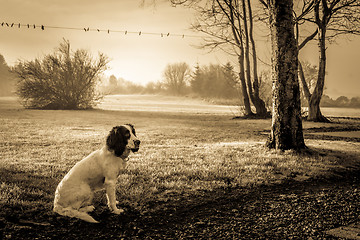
point(180, 154)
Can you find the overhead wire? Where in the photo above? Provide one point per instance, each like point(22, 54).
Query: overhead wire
point(88, 29)
point(108, 31)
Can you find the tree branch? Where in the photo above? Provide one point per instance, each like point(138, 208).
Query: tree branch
point(308, 39)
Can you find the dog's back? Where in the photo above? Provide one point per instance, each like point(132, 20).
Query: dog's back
point(73, 195)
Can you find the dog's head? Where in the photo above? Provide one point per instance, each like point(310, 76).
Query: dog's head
point(123, 138)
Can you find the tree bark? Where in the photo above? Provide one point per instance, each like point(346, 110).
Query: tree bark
point(286, 129)
point(304, 83)
point(246, 99)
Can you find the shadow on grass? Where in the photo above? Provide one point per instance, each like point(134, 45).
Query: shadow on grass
point(252, 211)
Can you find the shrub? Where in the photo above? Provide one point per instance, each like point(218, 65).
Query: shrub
point(62, 80)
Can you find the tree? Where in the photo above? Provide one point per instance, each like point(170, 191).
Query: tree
point(342, 101)
point(253, 87)
point(286, 129)
point(354, 102)
point(231, 81)
point(265, 87)
point(197, 81)
point(62, 80)
point(331, 19)
point(228, 25)
point(308, 76)
point(154, 88)
point(7, 79)
point(114, 85)
point(215, 81)
point(113, 82)
point(176, 77)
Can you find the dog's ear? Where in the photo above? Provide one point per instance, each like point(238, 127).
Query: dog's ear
point(115, 141)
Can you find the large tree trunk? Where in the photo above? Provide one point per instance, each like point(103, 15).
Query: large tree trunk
point(286, 129)
point(314, 101)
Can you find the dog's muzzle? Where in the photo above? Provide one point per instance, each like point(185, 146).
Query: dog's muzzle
point(137, 145)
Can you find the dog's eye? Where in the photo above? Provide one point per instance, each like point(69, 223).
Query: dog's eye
point(127, 134)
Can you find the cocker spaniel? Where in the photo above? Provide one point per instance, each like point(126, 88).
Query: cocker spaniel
point(97, 171)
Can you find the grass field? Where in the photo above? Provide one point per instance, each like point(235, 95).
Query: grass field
point(182, 154)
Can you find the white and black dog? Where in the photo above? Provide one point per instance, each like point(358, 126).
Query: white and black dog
point(99, 170)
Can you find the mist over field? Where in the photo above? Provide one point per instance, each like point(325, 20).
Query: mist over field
point(161, 103)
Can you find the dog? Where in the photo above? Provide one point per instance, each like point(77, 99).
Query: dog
point(97, 171)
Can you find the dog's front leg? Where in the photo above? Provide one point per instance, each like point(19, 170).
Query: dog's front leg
point(111, 197)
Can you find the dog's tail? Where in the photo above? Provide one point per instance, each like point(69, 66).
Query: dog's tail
point(71, 212)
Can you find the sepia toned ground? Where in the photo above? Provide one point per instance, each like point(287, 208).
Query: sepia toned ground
point(199, 173)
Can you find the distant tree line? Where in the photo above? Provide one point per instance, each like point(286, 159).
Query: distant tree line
point(113, 85)
point(341, 101)
point(207, 81)
point(214, 81)
point(7, 79)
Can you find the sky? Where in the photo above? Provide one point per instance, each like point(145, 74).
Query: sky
point(142, 58)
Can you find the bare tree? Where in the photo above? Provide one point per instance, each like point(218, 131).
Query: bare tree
point(62, 80)
point(253, 87)
point(286, 128)
point(222, 24)
point(228, 25)
point(176, 77)
point(331, 19)
point(256, 99)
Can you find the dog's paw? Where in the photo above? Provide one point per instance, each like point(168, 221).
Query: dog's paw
point(87, 209)
point(118, 211)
